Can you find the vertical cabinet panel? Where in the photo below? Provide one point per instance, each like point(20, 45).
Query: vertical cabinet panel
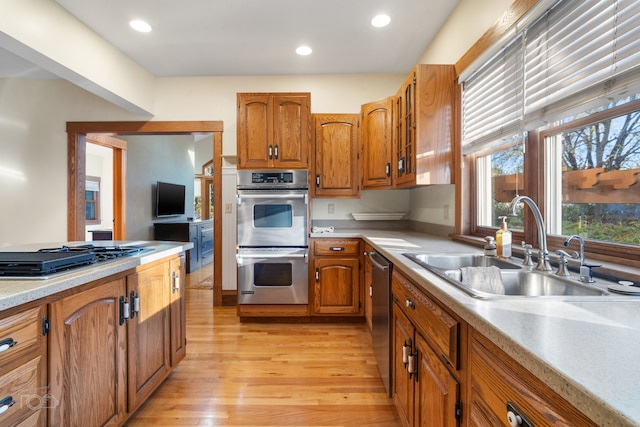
point(148, 337)
point(88, 351)
point(335, 166)
point(177, 313)
point(377, 144)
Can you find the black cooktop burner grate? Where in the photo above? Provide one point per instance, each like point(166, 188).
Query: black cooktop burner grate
point(52, 260)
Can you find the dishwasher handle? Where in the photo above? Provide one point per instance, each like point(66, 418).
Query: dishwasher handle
point(376, 263)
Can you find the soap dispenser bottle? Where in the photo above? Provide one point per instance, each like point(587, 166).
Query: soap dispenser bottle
point(503, 239)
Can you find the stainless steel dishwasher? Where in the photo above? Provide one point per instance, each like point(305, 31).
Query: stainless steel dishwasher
point(381, 315)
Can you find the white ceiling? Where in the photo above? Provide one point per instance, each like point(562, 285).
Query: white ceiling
point(259, 37)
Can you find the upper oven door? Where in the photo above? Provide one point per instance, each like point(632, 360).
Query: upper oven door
point(268, 218)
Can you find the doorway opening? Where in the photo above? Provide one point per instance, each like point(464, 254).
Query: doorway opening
point(76, 189)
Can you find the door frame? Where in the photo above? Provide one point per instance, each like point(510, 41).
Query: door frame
point(76, 165)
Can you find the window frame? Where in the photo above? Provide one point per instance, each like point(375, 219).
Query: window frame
point(535, 184)
point(96, 202)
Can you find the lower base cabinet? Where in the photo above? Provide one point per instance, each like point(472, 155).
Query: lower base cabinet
point(500, 385)
point(88, 358)
point(24, 396)
point(113, 344)
point(424, 391)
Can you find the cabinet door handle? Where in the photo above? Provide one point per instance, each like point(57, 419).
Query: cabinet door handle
point(411, 366)
point(175, 285)
point(6, 344)
point(135, 304)
point(317, 181)
point(410, 303)
point(317, 275)
point(6, 403)
point(124, 309)
point(270, 152)
point(388, 169)
point(276, 151)
point(406, 350)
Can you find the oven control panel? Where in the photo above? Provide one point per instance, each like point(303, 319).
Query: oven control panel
point(264, 179)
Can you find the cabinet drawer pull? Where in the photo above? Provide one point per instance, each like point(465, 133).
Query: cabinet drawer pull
point(6, 344)
point(6, 403)
point(515, 417)
point(410, 304)
point(336, 248)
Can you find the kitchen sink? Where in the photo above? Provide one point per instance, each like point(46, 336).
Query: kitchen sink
point(518, 281)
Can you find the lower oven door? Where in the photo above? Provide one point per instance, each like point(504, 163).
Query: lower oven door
point(273, 276)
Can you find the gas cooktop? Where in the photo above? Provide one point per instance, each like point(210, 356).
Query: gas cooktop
point(38, 264)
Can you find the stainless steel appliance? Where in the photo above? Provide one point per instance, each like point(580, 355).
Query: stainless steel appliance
point(381, 315)
point(273, 237)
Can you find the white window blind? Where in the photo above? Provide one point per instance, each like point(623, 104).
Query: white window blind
point(578, 55)
point(492, 98)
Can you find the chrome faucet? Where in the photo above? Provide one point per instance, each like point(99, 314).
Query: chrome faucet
point(543, 253)
point(586, 274)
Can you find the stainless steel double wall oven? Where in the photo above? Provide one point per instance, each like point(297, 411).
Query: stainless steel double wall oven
point(273, 237)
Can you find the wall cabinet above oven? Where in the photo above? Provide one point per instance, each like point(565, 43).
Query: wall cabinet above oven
point(274, 130)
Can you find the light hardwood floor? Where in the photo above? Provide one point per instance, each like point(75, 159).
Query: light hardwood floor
point(254, 374)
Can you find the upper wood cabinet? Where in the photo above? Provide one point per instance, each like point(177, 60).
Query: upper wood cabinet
point(274, 130)
point(335, 154)
point(423, 124)
point(377, 144)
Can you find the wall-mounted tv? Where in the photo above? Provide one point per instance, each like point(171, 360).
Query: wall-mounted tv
point(170, 199)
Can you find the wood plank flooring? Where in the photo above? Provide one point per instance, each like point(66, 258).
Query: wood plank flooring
point(253, 374)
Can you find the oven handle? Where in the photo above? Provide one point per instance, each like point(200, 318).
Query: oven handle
point(252, 256)
point(271, 196)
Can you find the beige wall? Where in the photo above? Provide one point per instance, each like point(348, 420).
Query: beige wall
point(33, 113)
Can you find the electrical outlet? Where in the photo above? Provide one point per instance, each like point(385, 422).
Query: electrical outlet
point(228, 208)
point(331, 208)
point(446, 211)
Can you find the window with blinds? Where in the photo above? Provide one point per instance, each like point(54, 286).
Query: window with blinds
point(576, 55)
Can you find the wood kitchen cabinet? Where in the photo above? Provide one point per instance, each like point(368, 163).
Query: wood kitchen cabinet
point(148, 334)
point(88, 357)
point(273, 130)
point(377, 144)
point(178, 311)
point(113, 342)
point(423, 124)
point(335, 155)
point(24, 396)
point(498, 381)
point(426, 380)
point(336, 277)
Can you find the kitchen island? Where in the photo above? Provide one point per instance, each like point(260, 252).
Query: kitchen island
point(89, 345)
point(583, 348)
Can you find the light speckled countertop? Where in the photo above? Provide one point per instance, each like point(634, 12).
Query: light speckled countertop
point(17, 292)
point(585, 348)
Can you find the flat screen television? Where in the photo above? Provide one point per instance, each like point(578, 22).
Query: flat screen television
point(170, 199)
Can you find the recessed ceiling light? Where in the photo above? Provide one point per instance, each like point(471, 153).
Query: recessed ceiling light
point(140, 25)
point(380, 20)
point(303, 50)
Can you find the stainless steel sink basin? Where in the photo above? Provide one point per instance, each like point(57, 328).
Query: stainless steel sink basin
point(518, 281)
point(456, 261)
